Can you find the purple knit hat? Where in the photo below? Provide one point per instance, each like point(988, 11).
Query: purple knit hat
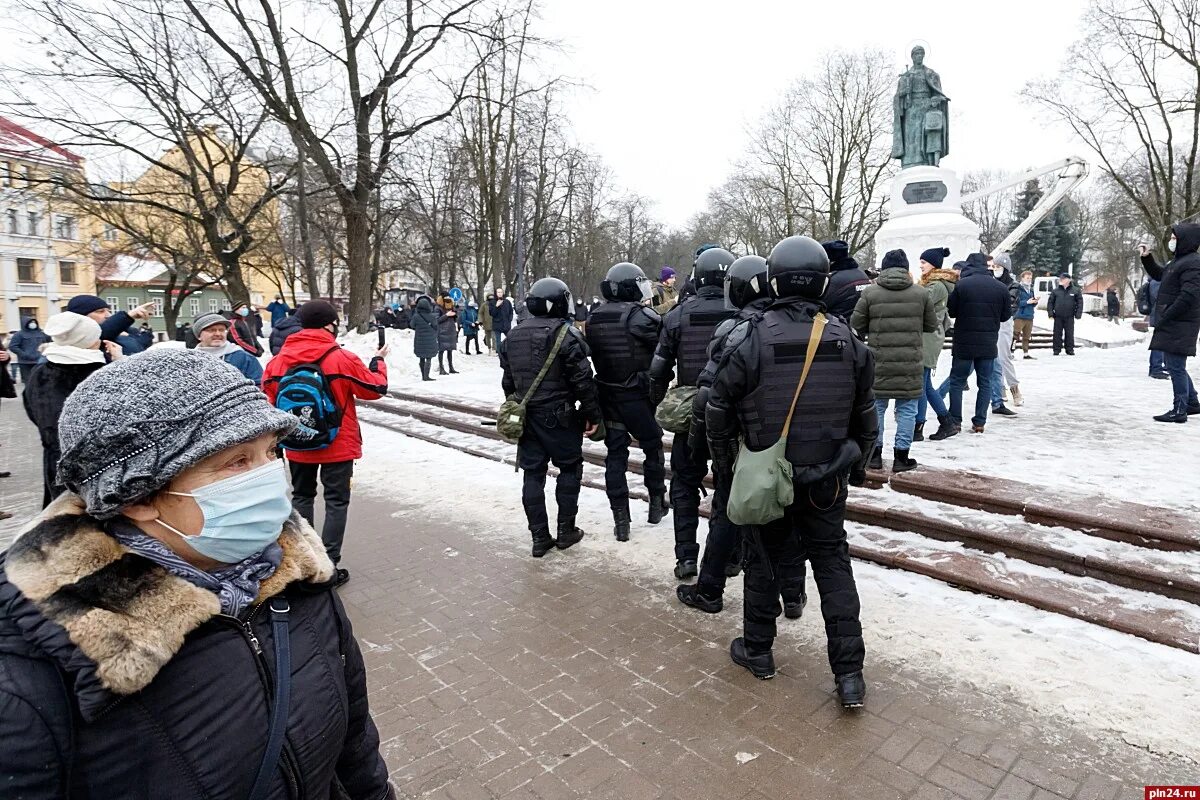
point(666, 274)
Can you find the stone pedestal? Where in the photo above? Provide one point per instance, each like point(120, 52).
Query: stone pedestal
point(925, 211)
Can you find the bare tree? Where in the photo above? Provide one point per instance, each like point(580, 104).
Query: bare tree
point(990, 213)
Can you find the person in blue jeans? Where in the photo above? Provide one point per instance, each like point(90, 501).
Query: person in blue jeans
point(939, 283)
point(979, 305)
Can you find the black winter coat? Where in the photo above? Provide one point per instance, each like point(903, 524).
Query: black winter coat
point(424, 325)
point(286, 327)
point(1177, 309)
point(447, 327)
point(846, 284)
point(501, 314)
point(1065, 303)
point(120, 680)
point(978, 304)
point(49, 387)
point(1114, 304)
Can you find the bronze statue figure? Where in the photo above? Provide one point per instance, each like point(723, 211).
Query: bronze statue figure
point(921, 126)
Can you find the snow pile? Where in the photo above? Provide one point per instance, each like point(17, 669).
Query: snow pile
point(1095, 330)
point(479, 377)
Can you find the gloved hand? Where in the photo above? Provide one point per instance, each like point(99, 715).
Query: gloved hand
point(858, 475)
point(723, 457)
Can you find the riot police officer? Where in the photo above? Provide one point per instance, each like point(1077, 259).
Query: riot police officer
point(746, 291)
point(683, 347)
point(833, 432)
point(554, 428)
point(622, 334)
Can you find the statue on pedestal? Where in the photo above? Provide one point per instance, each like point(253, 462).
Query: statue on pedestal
point(921, 119)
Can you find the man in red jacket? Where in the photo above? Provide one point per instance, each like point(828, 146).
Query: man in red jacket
point(348, 379)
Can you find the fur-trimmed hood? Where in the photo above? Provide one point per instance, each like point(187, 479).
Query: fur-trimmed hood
point(124, 616)
point(948, 275)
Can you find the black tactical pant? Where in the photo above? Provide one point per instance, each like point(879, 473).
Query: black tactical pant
point(551, 436)
point(775, 553)
point(687, 477)
point(335, 480)
point(1064, 335)
point(628, 415)
point(725, 544)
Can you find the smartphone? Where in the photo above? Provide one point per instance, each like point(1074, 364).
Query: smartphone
point(382, 331)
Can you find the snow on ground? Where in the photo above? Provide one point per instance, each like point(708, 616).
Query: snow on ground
point(1095, 330)
point(1117, 687)
point(479, 377)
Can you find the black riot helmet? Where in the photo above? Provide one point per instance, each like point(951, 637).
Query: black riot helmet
point(798, 267)
point(626, 282)
point(710, 267)
point(746, 281)
point(550, 297)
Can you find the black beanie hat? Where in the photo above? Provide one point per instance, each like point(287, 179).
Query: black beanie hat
point(894, 259)
point(317, 314)
point(84, 304)
point(935, 256)
point(837, 249)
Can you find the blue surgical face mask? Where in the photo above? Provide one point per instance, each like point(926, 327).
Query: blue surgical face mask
point(1171, 245)
point(242, 514)
point(243, 312)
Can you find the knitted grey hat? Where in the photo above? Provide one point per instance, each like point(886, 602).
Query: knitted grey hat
point(131, 427)
point(206, 320)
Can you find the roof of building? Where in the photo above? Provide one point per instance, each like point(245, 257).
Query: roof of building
point(21, 142)
point(122, 268)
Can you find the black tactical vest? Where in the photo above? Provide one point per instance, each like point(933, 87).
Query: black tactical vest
point(822, 419)
point(527, 346)
point(617, 356)
point(699, 317)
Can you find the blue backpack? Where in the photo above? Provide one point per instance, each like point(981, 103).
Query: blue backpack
point(304, 392)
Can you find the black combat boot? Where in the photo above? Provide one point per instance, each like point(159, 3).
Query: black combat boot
point(1178, 413)
point(947, 427)
point(621, 523)
point(901, 462)
point(851, 689)
point(761, 665)
point(876, 461)
point(658, 508)
point(686, 568)
point(919, 432)
point(1193, 408)
point(693, 595)
point(734, 567)
point(795, 609)
point(568, 534)
point(543, 542)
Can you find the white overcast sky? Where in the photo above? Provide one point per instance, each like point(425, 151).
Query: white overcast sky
point(674, 83)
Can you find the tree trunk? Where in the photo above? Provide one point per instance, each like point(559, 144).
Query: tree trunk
point(306, 247)
point(235, 286)
point(358, 264)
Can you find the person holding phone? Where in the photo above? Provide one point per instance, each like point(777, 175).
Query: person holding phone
point(1177, 315)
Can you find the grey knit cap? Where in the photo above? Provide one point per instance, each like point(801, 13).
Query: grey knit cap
point(205, 320)
point(135, 424)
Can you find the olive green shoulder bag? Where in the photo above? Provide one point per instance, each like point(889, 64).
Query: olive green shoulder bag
point(510, 422)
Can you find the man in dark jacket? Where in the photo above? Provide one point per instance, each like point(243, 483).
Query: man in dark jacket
point(554, 428)
point(1177, 315)
point(891, 315)
point(403, 316)
point(25, 345)
point(846, 280)
point(500, 309)
point(833, 430)
point(282, 330)
point(683, 349)
point(1114, 305)
point(622, 335)
point(245, 329)
point(113, 326)
point(425, 334)
point(1064, 307)
point(978, 305)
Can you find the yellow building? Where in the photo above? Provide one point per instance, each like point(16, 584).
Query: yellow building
point(43, 260)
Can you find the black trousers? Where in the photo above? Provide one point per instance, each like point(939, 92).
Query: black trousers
point(449, 354)
point(1064, 335)
point(26, 370)
point(687, 478)
point(335, 481)
point(629, 415)
point(551, 437)
point(50, 489)
point(812, 526)
point(473, 338)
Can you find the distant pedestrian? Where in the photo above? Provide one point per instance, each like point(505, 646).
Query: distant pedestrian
point(665, 294)
point(500, 310)
point(1178, 315)
point(1147, 298)
point(212, 334)
point(278, 309)
point(447, 328)
point(470, 327)
point(939, 283)
point(847, 280)
point(1027, 302)
point(892, 315)
point(425, 339)
point(1006, 366)
point(279, 333)
point(978, 304)
point(403, 316)
point(26, 346)
point(1114, 305)
point(243, 331)
point(1064, 307)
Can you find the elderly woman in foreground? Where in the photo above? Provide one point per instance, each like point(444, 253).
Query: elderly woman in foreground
point(168, 627)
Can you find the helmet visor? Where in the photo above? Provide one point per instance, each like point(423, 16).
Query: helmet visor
point(729, 304)
point(647, 288)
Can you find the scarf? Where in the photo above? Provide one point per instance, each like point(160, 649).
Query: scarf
point(235, 585)
point(220, 351)
point(68, 354)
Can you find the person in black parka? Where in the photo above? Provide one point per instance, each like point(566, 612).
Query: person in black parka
point(447, 334)
point(846, 280)
point(139, 664)
point(424, 322)
point(282, 330)
point(1177, 315)
point(1064, 306)
point(979, 304)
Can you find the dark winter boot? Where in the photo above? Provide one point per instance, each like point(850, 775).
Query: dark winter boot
point(946, 429)
point(876, 461)
point(568, 534)
point(658, 509)
point(425, 363)
point(1193, 408)
point(733, 568)
point(450, 361)
point(686, 568)
point(795, 609)
point(851, 689)
point(761, 665)
point(543, 542)
point(621, 523)
point(901, 462)
point(919, 432)
point(694, 596)
point(1179, 413)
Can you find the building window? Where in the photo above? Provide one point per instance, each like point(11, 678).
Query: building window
point(12, 220)
point(66, 272)
point(65, 227)
point(32, 222)
point(27, 173)
point(225, 305)
point(110, 233)
point(5, 173)
point(27, 270)
point(27, 312)
point(214, 305)
point(158, 307)
point(131, 303)
point(194, 304)
point(113, 302)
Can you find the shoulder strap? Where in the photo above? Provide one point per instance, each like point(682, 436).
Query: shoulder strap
point(326, 353)
point(562, 334)
point(283, 695)
point(814, 340)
